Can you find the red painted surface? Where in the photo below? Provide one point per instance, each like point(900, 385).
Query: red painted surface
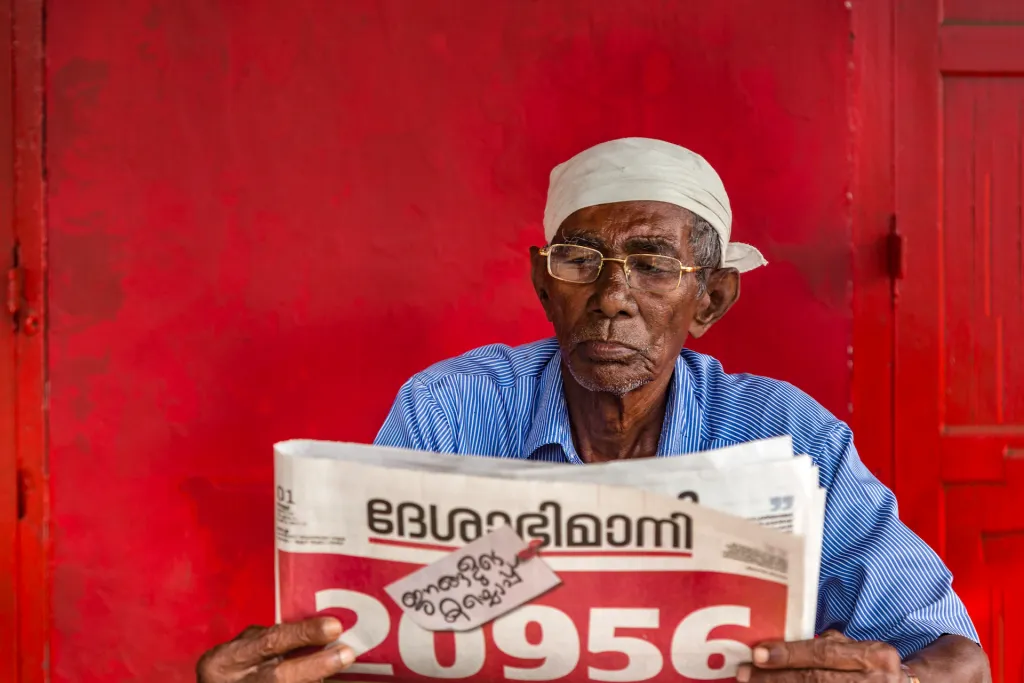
point(959, 428)
point(263, 218)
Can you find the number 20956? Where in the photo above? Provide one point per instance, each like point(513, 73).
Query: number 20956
point(693, 654)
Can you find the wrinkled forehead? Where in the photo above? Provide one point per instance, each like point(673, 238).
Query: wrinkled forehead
point(620, 221)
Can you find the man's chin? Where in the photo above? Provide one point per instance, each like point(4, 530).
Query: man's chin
point(608, 378)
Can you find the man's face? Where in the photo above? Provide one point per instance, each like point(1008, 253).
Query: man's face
point(614, 338)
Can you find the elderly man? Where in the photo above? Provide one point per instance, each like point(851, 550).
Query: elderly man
point(638, 258)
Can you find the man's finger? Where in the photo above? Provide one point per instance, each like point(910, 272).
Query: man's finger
point(283, 638)
point(313, 668)
point(249, 632)
point(827, 653)
point(833, 634)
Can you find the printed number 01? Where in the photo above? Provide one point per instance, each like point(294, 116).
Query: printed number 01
point(690, 649)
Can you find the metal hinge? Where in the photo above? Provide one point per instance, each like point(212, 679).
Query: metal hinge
point(22, 319)
point(22, 494)
point(15, 288)
point(896, 251)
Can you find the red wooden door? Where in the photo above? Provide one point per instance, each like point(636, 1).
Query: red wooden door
point(959, 396)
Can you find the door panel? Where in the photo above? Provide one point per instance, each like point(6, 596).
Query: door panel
point(973, 12)
point(960, 309)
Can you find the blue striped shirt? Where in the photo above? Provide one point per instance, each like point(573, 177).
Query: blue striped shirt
point(879, 581)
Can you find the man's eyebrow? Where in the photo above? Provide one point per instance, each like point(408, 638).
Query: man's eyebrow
point(584, 240)
point(652, 245)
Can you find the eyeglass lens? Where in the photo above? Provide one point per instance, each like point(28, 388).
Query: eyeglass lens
point(582, 265)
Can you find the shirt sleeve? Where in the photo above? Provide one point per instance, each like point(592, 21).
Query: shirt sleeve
point(416, 421)
point(879, 580)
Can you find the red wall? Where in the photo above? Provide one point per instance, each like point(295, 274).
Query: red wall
point(264, 216)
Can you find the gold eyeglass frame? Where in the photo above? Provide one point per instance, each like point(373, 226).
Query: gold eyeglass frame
point(546, 253)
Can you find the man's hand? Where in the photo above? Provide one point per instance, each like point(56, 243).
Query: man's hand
point(831, 658)
point(257, 655)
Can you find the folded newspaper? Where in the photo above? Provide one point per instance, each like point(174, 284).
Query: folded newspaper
point(489, 569)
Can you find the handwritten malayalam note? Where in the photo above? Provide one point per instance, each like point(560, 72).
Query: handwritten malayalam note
point(474, 584)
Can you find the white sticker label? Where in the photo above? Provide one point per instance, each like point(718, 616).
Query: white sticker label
point(474, 584)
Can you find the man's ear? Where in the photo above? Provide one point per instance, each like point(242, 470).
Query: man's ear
point(539, 276)
point(723, 289)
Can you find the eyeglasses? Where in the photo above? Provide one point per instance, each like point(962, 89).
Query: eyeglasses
point(647, 272)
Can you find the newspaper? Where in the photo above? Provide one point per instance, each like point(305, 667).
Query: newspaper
point(489, 569)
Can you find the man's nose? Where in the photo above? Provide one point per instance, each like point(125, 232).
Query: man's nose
point(613, 297)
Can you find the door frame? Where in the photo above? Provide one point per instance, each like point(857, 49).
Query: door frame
point(8, 388)
point(24, 485)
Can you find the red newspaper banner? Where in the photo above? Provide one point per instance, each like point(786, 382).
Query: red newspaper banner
point(597, 626)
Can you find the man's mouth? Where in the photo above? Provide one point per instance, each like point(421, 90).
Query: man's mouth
point(605, 351)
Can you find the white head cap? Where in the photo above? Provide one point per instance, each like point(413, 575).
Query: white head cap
point(641, 169)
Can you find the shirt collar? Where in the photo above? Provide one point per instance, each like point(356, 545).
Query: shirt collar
point(680, 432)
point(550, 414)
point(550, 424)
